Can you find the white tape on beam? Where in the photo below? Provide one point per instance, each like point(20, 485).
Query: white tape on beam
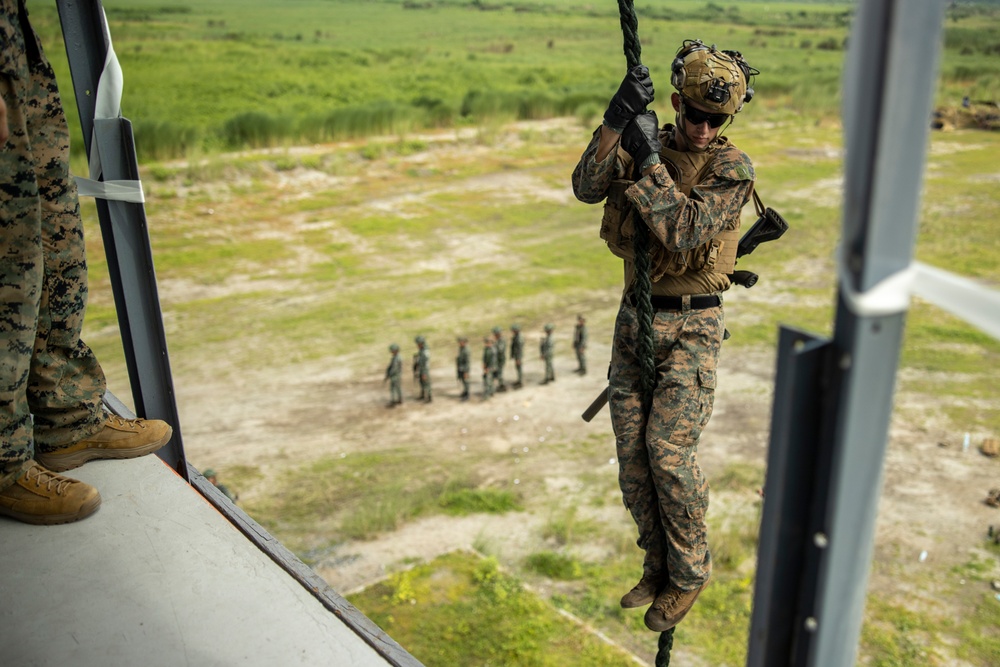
point(975, 303)
point(108, 105)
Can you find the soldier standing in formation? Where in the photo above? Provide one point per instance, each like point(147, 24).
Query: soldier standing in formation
point(547, 350)
point(500, 351)
point(516, 351)
point(489, 366)
point(422, 368)
point(462, 366)
point(580, 344)
point(687, 184)
point(394, 374)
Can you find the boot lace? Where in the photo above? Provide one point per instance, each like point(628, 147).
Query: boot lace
point(665, 602)
point(121, 422)
point(51, 480)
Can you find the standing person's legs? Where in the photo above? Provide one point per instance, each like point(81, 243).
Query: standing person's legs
point(66, 385)
point(21, 271)
point(28, 492)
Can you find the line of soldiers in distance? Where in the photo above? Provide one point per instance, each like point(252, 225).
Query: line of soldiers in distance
point(494, 359)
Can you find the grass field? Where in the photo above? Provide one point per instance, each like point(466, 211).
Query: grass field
point(394, 200)
point(232, 73)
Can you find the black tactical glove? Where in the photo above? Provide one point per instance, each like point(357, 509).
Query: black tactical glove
point(641, 140)
point(634, 94)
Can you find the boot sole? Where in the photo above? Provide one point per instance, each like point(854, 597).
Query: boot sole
point(85, 510)
point(62, 462)
point(642, 602)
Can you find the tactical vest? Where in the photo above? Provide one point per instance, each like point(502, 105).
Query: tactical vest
point(688, 169)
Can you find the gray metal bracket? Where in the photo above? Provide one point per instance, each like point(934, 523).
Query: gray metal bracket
point(124, 230)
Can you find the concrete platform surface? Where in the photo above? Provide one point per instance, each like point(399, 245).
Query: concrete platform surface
point(157, 577)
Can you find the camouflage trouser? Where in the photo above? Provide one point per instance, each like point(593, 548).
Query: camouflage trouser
point(425, 386)
point(51, 385)
point(662, 485)
point(395, 389)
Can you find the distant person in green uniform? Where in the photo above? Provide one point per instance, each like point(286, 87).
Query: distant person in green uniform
point(580, 344)
point(517, 352)
point(213, 477)
point(489, 366)
point(394, 374)
point(462, 366)
point(547, 351)
point(500, 351)
point(422, 368)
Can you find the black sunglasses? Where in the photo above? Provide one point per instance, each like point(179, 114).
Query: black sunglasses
point(697, 117)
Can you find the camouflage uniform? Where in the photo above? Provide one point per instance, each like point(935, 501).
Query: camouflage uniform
point(422, 366)
point(580, 345)
point(547, 350)
point(661, 481)
point(500, 351)
point(394, 374)
point(51, 384)
point(517, 351)
point(462, 367)
point(489, 366)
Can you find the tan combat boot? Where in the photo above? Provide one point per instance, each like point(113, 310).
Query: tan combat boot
point(644, 592)
point(44, 498)
point(119, 439)
point(670, 608)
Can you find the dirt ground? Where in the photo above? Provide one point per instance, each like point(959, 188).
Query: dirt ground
point(931, 518)
point(932, 499)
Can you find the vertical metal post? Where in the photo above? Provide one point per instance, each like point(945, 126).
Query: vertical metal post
point(124, 230)
point(816, 621)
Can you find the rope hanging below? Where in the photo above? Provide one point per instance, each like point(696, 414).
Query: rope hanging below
point(642, 288)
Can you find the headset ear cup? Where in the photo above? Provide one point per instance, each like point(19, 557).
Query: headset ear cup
point(677, 73)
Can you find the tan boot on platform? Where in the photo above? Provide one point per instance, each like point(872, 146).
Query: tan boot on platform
point(41, 497)
point(119, 439)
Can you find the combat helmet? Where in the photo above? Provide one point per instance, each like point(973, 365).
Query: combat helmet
point(718, 80)
point(394, 348)
point(550, 327)
point(419, 340)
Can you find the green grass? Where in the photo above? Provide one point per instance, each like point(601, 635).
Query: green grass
point(463, 610)
point(230, 73)
point(361, 495)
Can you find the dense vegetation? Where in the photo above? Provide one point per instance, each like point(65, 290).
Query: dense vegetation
point(237, 73)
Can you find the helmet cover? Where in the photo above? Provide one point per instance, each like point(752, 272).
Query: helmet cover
point(717, 80)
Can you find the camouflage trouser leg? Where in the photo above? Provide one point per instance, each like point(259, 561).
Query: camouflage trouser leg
point(517, 363)
point(425, 387)
point(662, 484)
point(395, 390)
point(47, 375)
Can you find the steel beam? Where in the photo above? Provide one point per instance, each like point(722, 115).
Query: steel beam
point(124, 230)
point(811, 615)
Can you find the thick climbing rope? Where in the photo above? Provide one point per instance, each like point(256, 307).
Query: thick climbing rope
point(642, 289)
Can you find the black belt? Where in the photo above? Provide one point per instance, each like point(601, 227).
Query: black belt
point(677, 302)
